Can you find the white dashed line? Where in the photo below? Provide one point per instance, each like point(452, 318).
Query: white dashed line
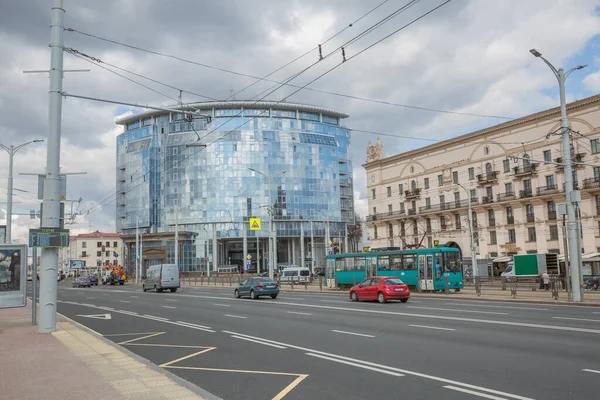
point(259, 342)
point(298, 313)
point(169, 307)
point(578, 319)
point(221, 305)
point(474, 393)
point(351, 333)
point(432, 327)
point(235, 316)
point(591, 370)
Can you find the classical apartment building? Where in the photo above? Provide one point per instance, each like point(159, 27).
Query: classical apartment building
point(93, 250)
point(512, 174)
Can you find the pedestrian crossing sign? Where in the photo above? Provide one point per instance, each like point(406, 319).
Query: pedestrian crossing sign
point(255, 224)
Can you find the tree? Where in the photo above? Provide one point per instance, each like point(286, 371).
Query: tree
point(355, 234)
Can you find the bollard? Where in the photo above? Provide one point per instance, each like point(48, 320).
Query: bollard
point(503, 280)
point(196, 281)
point(554, 284)
point(478, 286)
point(321, 283)
point(292, 284)
point(533, 287)
point(446, 288)
point(513, 288)
point(305, 285)
point(230, 283)
point(222, 282)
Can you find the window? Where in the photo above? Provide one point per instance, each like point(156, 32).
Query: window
point(401, 188)
point(491, 216)
point(510, 218)
point(457, 199)
point(428, 202)
point(389, 191)
point(428, 224)
point(440, 180)
point(175, 151)
point(402, 228)
point(115, 244)
point(596, 174)
point(413, 185)
point(526, 162)
point(531, 235)
point(488, 170)
point(527, 186)
point(529, 209)
point(493, 239)
point(373, 193)
point(426, 183)
point(489, 193)
point(389, 209)
point(486, 150)
point(442, 201)
point(508, 188)
point(457, 221)
point(550, 182)
point(547, 155)
point(98, 254)
point(506, 165)
point(175, 177)
point(595, 143)
point(415, 229)
point(107, 244)
point(413, 205)
point(402, 207)
point(83, 245)
point(390, 230)
point(374, 210)
point(107, 254)
point(553, 232)
point(473, 194)
point(375, 232)
point(471, 173)
point(84, 254)
point(98, 244)
point(512, 236)
point(455, 176)
point(412, 169)
point(551, 206)
point(443, 222)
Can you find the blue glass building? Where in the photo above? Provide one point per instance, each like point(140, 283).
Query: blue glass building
point(196, 169)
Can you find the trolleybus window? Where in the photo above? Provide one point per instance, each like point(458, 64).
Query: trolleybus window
point(359, 264)
point(397, 262)
point(340, 263)
point(409, 261)
point(384, 263)
point(451, 262)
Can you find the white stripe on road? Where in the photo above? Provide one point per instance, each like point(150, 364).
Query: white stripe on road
point(578, 319)
point(169, 307)
point(474, 393)
point(124, 301)
point(591, 370)
point(457, 310)
point(171, 300)
point(333, 301)
point(510, 307)
point(351, 333)
point(106, 308)
point(156, 318)
point(298, 313)
point(259, 342)
point(90, 298)
point(221, 305)
point(432, 327)
point(128, 312)
point(354, 364)
point(193, 325)
point(235, 316)
point(403, 371)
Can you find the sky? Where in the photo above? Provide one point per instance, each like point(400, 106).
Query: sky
point(467, 57)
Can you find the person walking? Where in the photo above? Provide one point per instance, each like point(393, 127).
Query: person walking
point(546, 280)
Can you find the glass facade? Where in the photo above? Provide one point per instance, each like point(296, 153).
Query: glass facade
point(198, 171)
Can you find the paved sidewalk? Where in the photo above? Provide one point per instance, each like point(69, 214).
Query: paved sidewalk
point(73, 363)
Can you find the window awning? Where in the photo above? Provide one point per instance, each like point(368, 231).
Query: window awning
point(502, 259)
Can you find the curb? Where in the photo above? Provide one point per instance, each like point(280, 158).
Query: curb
point(180, 381)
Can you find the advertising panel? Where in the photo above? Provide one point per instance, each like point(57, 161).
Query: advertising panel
point(13, 275)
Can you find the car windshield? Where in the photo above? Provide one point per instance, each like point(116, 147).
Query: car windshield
point(393, 281)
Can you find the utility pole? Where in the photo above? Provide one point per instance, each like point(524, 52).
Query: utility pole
point(137, 251)
point(475, 266)
point(572, 196)
point(312, 248)
point(51, 212)
point(177, 237)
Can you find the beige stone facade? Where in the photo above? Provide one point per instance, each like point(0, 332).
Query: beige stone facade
point(88, 248)
point(416, 197)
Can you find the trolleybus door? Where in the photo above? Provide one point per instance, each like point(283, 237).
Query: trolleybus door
point(426, 272)
point(371, 266)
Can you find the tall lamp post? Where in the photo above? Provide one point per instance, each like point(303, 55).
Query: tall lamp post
point(12, 150)
point(470, 217)
point(572, 196)
point(272, 245)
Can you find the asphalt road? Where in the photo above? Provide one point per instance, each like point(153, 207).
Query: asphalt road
point(322, 346)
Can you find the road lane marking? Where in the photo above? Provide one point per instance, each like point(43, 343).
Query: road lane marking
point(354, 364)
point(591, 370)
point(128, 312)
point(298, 313)
point(221, 305)
point(474, 393)
point(432, 327)
point(334, 301)
point(457, 310)
point(169, 307)
point(193, 325)
point(490, 306)
point(124, 301)
point(259, 342)
point(90, 298)
point(399, 370)
point(351, 333)
point(156, 318)
point(171, 300)
point(106, 308)
point(235, 316)
point(578, 319)
point(299, 298)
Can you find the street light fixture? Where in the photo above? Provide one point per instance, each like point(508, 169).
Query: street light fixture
point(571, 196)
point(12, 150)
point(272, 244)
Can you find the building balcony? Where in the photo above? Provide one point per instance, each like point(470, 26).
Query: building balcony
point(487, 199)
point(591, 183)
point(575, 186)
point(524, 194)
point(345, 182)
point(451, 205)
point(443, 227)
point(530, 218)
point(491, 222)
point(412, 194)
point(507, 196)
point(524, 171)
point(412, 211)
point(510, 220)
point(552, 215)
point(577, 158)
point(548, 189)
point(122, 180)
point(488, 177)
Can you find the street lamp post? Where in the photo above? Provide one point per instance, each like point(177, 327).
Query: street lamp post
point(571, 195)
point(470, 217)
point(12, 150)
point(272, 245)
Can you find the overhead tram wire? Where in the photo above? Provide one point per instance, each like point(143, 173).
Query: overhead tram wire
point(302, 87)
point(288, 84)
point(306, 53)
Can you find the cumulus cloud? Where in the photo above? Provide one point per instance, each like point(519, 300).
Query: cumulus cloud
point(592, 82)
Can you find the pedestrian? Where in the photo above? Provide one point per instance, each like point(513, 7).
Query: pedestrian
point(546, 280)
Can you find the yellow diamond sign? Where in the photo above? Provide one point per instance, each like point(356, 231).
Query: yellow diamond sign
point(255, 224)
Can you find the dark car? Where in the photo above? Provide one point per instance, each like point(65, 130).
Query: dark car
point(82, 281)
point(93, 280)
point(256, 287)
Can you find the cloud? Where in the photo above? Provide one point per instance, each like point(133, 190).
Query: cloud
point(468, 56)
point(592, 82)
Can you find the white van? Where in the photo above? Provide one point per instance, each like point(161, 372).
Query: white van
point(161, 277)
point(296, 274)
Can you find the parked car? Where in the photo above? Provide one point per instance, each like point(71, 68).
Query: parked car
point(82, 281)
point(296, 274)
point(161, 277)
point(93, 279)
point(380, 288)
point(256, 287)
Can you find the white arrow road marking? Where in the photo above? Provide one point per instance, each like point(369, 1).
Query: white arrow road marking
point(96, 316)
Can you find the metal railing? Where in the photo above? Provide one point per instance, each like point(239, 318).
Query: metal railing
point(487, 177)
point(548, 189)
point(507, 196)
point(525, 170)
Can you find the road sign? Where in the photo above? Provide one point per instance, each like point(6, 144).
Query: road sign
point(97, 316)
point(365, 249)
point(249, 257)
point(255, 224)
point(330, 242)
point(436, 243)
point(330, 252)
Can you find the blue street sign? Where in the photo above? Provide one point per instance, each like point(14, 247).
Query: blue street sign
point(179, 265)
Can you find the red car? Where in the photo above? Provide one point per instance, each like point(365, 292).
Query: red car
point(380, 288)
